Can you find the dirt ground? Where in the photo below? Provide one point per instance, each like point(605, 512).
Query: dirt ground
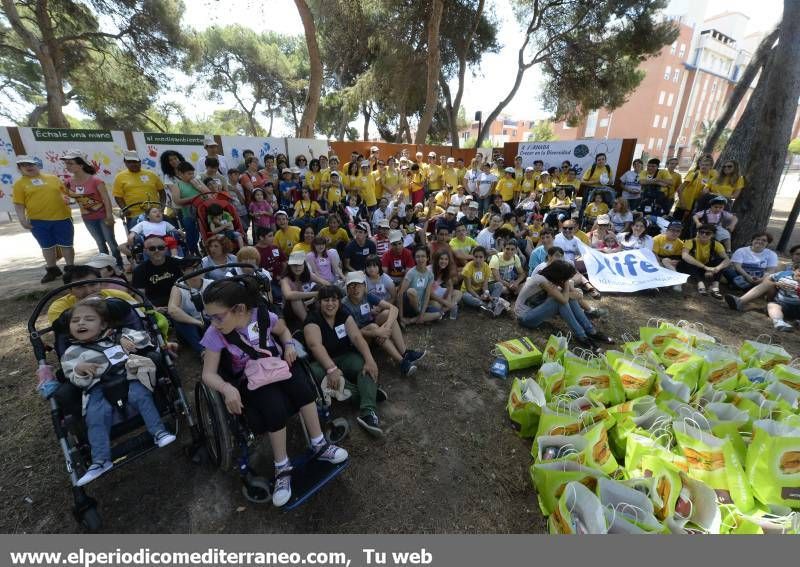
point(449, 462)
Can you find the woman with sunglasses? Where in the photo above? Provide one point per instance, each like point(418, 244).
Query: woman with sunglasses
point(232, 307)
point(705, 259)
point(730, 182)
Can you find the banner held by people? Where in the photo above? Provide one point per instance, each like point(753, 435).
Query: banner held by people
point(580, 153)
point(627, 271)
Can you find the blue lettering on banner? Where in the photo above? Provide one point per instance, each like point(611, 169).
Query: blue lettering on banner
point(629, 261)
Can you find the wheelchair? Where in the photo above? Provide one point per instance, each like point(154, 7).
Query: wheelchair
point(229, 441)
point(654, 207)
point(174, 240)
point(130, 441)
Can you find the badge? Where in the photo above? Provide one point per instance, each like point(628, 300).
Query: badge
point(37, 181)
point(276, 252)
point(478, 277)
point(144, 178)
point(365, 309)
point(380, 288)
point(252, 331)
point(398, 263)
point(79, 190)
point(341, 332)
point(365, 251)
point(648, 209)
point(308, 287)
point(420, 283)
point(115, 354)
point(668, 247)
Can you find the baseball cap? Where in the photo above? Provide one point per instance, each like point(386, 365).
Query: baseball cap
point(101, 260)
point(295, 169)
point(130, 155)
point(297, 258)
point(74, 154)
point(509, 170)
point(285, 170)
point(451, 160)
point(529, 168)
point(452, 210)
point(26, 159)
point(719, 199)
point(603, 219)
point(431, 154)
point(374, 149)
point(209, 141)
point(279, 213)
point(355, 277)
point(395, 236)
point(336, 173)
point(675, 226)
point(474, 205)
point(363, 225)
point(365, 163)
point(499, 158)
point(383, 224)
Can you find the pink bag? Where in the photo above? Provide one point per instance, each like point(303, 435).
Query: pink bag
point(263, 371)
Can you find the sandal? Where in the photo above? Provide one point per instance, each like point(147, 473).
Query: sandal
point(593, 293)
point(715, 293)
point(701, 289)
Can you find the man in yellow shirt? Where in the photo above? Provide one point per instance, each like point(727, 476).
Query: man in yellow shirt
point(672, 164)
point(461, 171)
point(705, 259)
point(40, 201)
point(450, 174)
point(434, 173)
point(285, 236)
point(365, 185)
point(668, 247)
point(135, 185)
point(518, 170)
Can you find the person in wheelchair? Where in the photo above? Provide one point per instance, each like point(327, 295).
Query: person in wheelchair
point(561, 208)
point(265, 386)
point(150, 223)
point(186, 306)
point(221, 222)
point(102, 362)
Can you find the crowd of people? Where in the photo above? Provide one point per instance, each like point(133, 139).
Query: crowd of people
point(354, 253)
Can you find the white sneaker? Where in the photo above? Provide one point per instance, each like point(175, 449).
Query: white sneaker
point(782, 326)
point(283, 486)
point(94, 471)
point(164, 438)
point(332, 454)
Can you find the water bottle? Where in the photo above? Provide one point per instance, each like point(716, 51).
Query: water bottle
point(454, 312)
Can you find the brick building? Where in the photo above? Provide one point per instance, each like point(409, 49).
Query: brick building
point(503, 129)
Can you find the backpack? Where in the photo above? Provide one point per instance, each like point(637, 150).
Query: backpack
point(234, 338)
point(712, 251)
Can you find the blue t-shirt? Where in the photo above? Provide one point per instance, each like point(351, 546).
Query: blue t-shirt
point(783, 295)
point(285, 190)
point(420, 281)
point(361, 313)
point(357, 254)
point(538, 256)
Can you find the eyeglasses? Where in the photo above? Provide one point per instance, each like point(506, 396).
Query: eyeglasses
point(564, 167)
point(727, 167)
point(159, 248)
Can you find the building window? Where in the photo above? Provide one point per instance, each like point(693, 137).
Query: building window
point(659, 144)
point(650, 144)
point(656, 119)
point(664, 122)
point(661, 96)
point(673, 47)
point(667, 72)
point(682, 52)
point(505, 132)
point(591, 124)
point(676, 75)
point(670, 99)
point(603, 122)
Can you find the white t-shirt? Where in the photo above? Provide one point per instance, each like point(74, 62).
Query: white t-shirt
point(569, 246)
point(619, 220)
point(631, 186)
point(531, 288)
point(486, 239)
point(472, 176)
point(755, 264)
point(485, 182)
point(147, 228)
point(629, 242)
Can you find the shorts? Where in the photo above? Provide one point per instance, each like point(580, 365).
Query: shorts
point(231, 235)
point(49, 233)
point(268, 408)
point(412, 309)
point(791, 311)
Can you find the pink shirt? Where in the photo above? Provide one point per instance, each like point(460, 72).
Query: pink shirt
point(87, 195)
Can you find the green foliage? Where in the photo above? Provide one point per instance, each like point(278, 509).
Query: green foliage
point(794, 146)
point(542, 132)
point(704, 131)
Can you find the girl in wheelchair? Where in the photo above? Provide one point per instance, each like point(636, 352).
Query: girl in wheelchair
point(101, 361)
point(264, 385)
point(152, 223)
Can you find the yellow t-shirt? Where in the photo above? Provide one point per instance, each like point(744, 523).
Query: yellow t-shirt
point(475, 276)
point(334, 239)
point(527, 185)
point(313, 180)
point(306, 207)
point(365, 185)
point(594, 179)
point(286, 238)
point(350, 182)
point(460, 173)
point(667, 248)
point(68, 301)
point(583, 237)
point(594, 210)
point(434, 177)
point(506, 188)
point(695, 182)
point(546, 192)
point(661, 175)
point(390, 182)
point(43, 196)
point(427, 212)
point(136, 187)
point(450, 177)
point(703, 253)
point(676, 179)
point(556, 203)
point(335, 194)
point(466, 245)
point(723, 186)
point(301, 247)
point(442, 198)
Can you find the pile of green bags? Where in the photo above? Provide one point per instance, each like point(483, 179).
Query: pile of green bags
point(674, 433)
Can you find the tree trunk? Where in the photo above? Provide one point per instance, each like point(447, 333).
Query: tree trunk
point(489, 120)
point(306, 129)
point(271, 114)
point(756, 64)
point(433, 71)
point(405, 130)
point(773, 128)
point(450, 111)
point(367, 114)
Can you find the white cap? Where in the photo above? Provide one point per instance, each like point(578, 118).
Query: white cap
point(474, 205)
point(279, 213)
point(209, 141)
point(295, 169)
point(374, 149)
point(336, 173)
point(396, 236)
point(75, 154)
point(297, 258)
point(383, 224)
point(509, 170)
point(26, 159)
point(529, 168)
point(355, 277)
point(452, 210)
point(431, 154)
point(130, 155)
point(365, 163)
point(603, 219)
point(102, 261)
point(451, 160)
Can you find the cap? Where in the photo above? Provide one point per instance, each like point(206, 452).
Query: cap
point(336, 173)
point(675, 226)
point(363, 225)
point(499, 158)
point(295, 169)
point(419, 206)
point(285, 170)
point(209, 141)
point(395, 236)
point(297, 258)
point(101, 260)
point(474, 205)
point(365, 163)
point(431, 154)
point(374, 149)
point(452, 210)
point(355, 277)
point(509, 170)
point(383, 224)
point(719, 199)
point(529, 168)
point(75, 154)
point(333, 158)
point(279, 213)
point(26, 159)
point(130, 155)
point(603, 219)
point(451, 160)
point(517, 156)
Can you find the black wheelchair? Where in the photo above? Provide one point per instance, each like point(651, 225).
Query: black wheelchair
point(130, 441)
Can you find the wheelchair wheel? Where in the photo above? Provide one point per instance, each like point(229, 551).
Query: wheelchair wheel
point(336, 430)
point(213, 418)
point(257, 490)
point(90, 520)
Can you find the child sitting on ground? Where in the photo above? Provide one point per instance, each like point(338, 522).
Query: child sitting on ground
point(95, 352)
point(723, 221)
point(221, 222)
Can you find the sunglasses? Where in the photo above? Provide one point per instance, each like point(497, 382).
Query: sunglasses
point(704, 232)
point(568, 227)
point(159, 248)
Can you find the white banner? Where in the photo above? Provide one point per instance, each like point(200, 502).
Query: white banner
point(308, 147)
point(233, 146)
point(628, 271)
point(580, 153)
point(103, 147)
point(151, 145)
point(8, 171)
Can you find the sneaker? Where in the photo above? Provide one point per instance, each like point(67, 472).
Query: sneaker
point(164, 438)
point(782, 326)
point(369, 421)
point(678, 288)
point(381, 395)
point(599, 337)
point(486, 309)
point(597, 312)
point(331, 453)
point(283, 486)
point(51, 275)
point(715, 293)
point(414, 355)
point(586, 343)
point(407, 368)
point(94, 471)
point(701, 289)
point(733, 302)
point(500, 306)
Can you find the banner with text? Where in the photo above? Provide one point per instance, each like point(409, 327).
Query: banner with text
point(580, 153)
point(151, 145)
point(8, 171)
point(628, 271)
point(102, 147)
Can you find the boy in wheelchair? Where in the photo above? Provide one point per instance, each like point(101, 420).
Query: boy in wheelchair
point(102, 362)
point(257, 378)
point(151, 223)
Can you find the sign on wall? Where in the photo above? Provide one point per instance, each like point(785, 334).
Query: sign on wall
point(233, 147)
point(580, 153)
point(103, 148)
point(151, 145)
point(8, 171)
point(306, 146)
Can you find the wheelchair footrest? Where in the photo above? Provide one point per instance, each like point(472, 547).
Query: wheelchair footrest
point(309, 476)
point(133, 447)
